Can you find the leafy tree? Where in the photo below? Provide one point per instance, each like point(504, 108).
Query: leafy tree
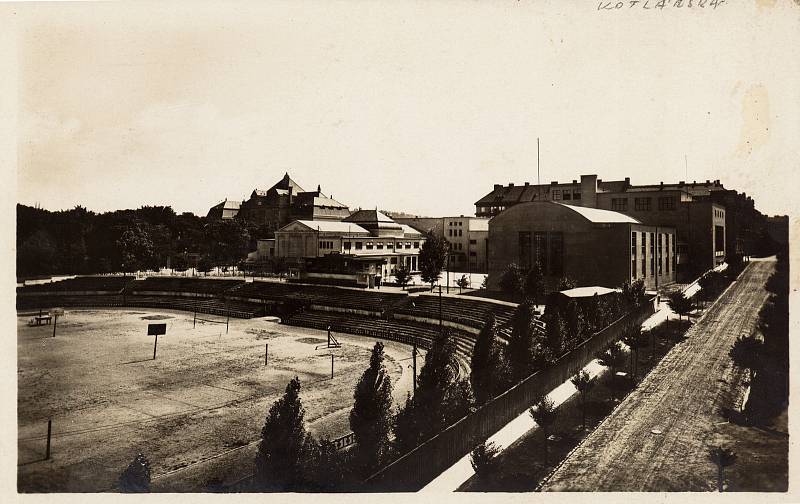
point(281, 452)
point(402, 275)
point(565, 283)
point(680, 304)
point(432, 257)
point(36, 254)
point(746, 354)
point(583, 384)
point(135, 249)
point(487, 369)
point(534, 282)
point(612, 357)
point(633, 338)
point(575, 322)
point(722, 457)
point(521, 348)
point(462, 283)
point(483, 459)
point(326, 468)
point(556, 331)
point(544, 414)
point(634, 293)
point(204, 265)
point(512, 280)
point(370, 418)
point(136, 477)
point(440, 399)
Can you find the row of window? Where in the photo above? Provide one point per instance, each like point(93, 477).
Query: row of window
point(643, 204)
point(719, 213)
point(455, 223)
point(454, 232)
point(666, 243)
point(566, 194)
point(546, 248)
point(378, 245)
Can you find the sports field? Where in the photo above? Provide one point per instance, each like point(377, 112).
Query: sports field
point(195, 411)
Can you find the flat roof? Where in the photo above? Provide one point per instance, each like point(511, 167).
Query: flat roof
point(581, 292)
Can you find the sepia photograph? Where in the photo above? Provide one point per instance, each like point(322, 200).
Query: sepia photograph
point(505, 248)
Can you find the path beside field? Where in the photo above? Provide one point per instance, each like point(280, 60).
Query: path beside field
point(658, 437)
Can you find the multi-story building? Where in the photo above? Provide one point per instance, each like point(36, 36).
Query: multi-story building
point(697, 211)
point(285, 202)
point(468, 238)
point(591, 246)
point(364, 249)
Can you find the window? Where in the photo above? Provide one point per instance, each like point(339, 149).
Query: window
point(369, 245)
point(473, 242)
point(652, 254)
point(644, 255)
point(459, 232)
point(379, 246)
point(450, 231)
point(390, 245)
point(641, 204)
point(416, 244)
point(633, 254)
point(661, 253)
point(719, 239)
point(347, 245)
point(576, 194)
point(393, 260)
point(556, 194)
point(619, 204)
point(567, 194)
point(472, 254)
point(540, 249)
point(669, 238)
point(525, 249)
point(358, 245)
point(556, 254)
point(666, 203)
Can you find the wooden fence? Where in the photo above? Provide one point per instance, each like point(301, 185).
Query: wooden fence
point(420, 466)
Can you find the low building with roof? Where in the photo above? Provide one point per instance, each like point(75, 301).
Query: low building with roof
point(592, 246)
point(364, 249)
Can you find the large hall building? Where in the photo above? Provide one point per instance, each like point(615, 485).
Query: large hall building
point(709, 220)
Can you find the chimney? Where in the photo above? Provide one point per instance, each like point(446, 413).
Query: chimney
point(589, 191)
point(554, 182)
point(681, 183)
point(574, 181)
point(526, 184)
point(511, 184)
point(661, 186)
point(627, 181)
point(497, 186)
point(708, 182)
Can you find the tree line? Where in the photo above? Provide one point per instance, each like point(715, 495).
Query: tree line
point(79, 241)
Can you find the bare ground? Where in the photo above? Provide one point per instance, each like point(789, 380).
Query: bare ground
point(658, 438)
point(196, 411)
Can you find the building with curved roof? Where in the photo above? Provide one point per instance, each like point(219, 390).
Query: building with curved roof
point(594, 247)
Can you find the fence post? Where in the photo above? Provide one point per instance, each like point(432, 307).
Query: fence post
point(49, 432)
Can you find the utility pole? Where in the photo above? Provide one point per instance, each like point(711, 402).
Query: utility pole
point(440, 310)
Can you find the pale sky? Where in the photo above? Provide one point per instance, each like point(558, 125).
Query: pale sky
point(414, 106)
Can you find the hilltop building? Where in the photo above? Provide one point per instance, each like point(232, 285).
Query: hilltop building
point(283, 203)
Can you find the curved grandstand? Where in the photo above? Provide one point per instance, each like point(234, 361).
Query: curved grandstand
point(400, 317)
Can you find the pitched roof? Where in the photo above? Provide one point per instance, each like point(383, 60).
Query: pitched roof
point(598, 215)
point(330, 226)
point(369, 216)
point(408, 230)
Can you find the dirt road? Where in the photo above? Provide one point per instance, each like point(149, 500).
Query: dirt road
point(657, 439)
